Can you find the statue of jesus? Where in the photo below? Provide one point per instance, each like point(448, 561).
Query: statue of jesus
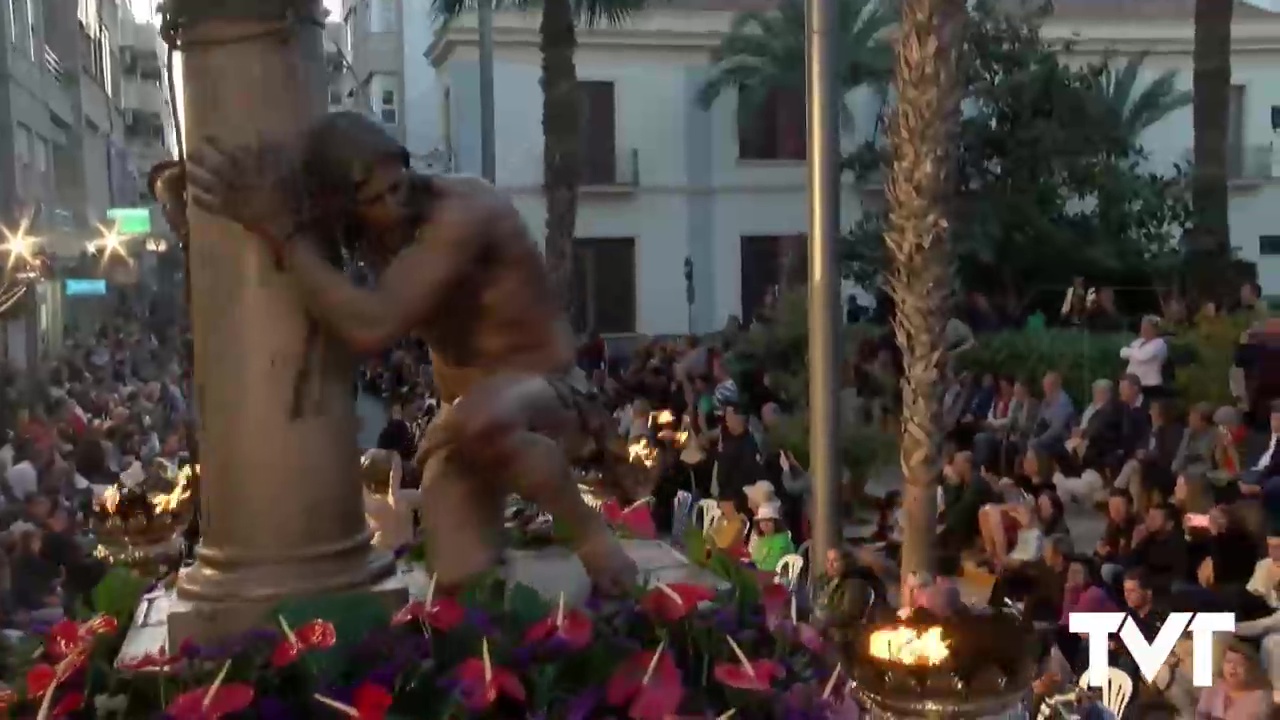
point(458, 266)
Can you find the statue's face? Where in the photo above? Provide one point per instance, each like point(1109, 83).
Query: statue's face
point(383, 198)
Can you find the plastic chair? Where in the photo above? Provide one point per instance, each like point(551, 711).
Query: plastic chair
point(709, 511)
point(788, 571)
point(1117, 691)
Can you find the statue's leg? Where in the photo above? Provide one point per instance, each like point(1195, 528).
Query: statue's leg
point(540, 474)
point(461, 520)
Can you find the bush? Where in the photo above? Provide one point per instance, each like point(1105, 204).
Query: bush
point(1212, 345)
point(1080, 356)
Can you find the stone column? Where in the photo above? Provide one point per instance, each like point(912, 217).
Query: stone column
point(280, 498)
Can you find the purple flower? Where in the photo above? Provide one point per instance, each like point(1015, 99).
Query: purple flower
point(273, 708)
point(725, 620)
point(582, 705)
point(385, 674)
point(479, 620)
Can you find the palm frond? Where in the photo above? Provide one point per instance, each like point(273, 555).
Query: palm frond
point(589, 13)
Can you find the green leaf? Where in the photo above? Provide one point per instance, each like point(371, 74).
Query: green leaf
point(118, 594)
point(525, 606)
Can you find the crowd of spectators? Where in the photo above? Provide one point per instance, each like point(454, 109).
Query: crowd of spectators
point(111, 407)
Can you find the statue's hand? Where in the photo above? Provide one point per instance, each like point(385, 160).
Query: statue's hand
point(255, 185)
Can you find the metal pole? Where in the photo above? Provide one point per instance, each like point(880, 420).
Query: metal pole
point(824, 278)
point(488, 161)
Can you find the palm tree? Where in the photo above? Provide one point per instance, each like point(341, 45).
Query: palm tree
point(1209, 236)
point(921, 177)
point(763, 53)
point(561, 119)
point(1135, 107)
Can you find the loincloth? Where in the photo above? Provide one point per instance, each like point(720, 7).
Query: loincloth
point(587, 433)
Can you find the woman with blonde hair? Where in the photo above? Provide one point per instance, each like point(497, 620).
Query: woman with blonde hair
point(1240, 692)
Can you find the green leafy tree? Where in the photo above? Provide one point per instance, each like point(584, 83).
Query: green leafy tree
point(763, 53)
point(1050, 183)
point(1135, 106)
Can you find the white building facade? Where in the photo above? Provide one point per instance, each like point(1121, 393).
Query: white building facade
point(665, 180)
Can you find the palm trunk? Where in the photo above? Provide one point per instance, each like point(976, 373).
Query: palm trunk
point(1209, 238)
point(560, 132)
point(919, 189)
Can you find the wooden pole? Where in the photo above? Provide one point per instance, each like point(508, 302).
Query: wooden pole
point(281, 507)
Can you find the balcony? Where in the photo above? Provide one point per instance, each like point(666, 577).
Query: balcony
point(616, 174)
point(53, 64)
point(142, 96)
point(1247, 165)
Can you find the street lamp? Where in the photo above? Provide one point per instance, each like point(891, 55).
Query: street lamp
point(108, 244)
point(20, 247)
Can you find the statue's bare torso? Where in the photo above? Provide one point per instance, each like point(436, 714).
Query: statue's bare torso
point(501, 313)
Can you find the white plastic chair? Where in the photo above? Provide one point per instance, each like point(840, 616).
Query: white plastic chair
point(682, 514)
point(709, 512)
point(788, 571)
point(1116, 693)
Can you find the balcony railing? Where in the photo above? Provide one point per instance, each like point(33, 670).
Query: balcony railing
point(54, 65)
point(621, 172)
point(1247, 164)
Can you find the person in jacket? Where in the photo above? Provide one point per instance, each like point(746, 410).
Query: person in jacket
point(1146, 357)
point(772, 541)
point(848, 595)
point(1151, 464)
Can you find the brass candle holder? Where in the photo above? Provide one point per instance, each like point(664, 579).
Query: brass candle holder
point(138, 528)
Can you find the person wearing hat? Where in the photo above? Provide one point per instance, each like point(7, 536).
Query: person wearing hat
point(772, 541)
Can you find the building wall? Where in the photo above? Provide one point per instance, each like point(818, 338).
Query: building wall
point(695, 197)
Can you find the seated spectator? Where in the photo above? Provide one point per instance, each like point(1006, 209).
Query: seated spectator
point(34, 581)
point(1199, 444)
point(980, 407)
point(1262, 477)
point(1233, 553)
point(1151, 463)
point(1144, 612)
point(1038, 584)
point(1158, 547)
point(1003, 438)
point(1118, 534)
point(81, 572)
point(964, 493)
point(771, 541)
point(1265, 585)
point(846, 596)
point(1098, 434)
point(1240, 691)
point(1057, 413)
point(1082, 592)
point(729, 531)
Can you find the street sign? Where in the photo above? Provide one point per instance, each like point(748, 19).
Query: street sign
point(85, 286)
point(131, 221)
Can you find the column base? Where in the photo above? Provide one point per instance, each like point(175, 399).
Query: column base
point(207, 604)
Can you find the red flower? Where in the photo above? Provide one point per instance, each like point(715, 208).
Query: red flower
point(671, 603)
point(648, 684)
point(66, 637)
point(371, 702)
point(222, 700)
point(752, 675)
point(40, 678)
point(443, 614)
point(636, 519)
point(571, 626)
point(63, 639)
point(481, 683)
point(8, 699)
point(285, 653)
point(71, 702)
point(775, 598)
point(317, 635)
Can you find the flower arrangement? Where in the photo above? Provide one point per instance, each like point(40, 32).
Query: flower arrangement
point(494, 651)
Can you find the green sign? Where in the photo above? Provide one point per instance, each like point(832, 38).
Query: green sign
point(131, 221)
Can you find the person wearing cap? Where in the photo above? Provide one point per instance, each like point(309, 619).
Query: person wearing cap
point(772, 542)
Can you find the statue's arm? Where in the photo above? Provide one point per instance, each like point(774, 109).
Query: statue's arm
point(410, 290)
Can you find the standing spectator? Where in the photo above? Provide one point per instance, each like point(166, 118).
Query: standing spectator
point(1147, 356)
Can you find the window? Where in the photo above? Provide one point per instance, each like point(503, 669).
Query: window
point(382, 90)
point(598, 133)
point(776, 130)
point(335, 96)
point(604, 285)
point(20, 35)
point(31, 29)
point(768, 261)
point(349, 20)
point(382, 16)
point(1269, 245)
point(22, 152)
